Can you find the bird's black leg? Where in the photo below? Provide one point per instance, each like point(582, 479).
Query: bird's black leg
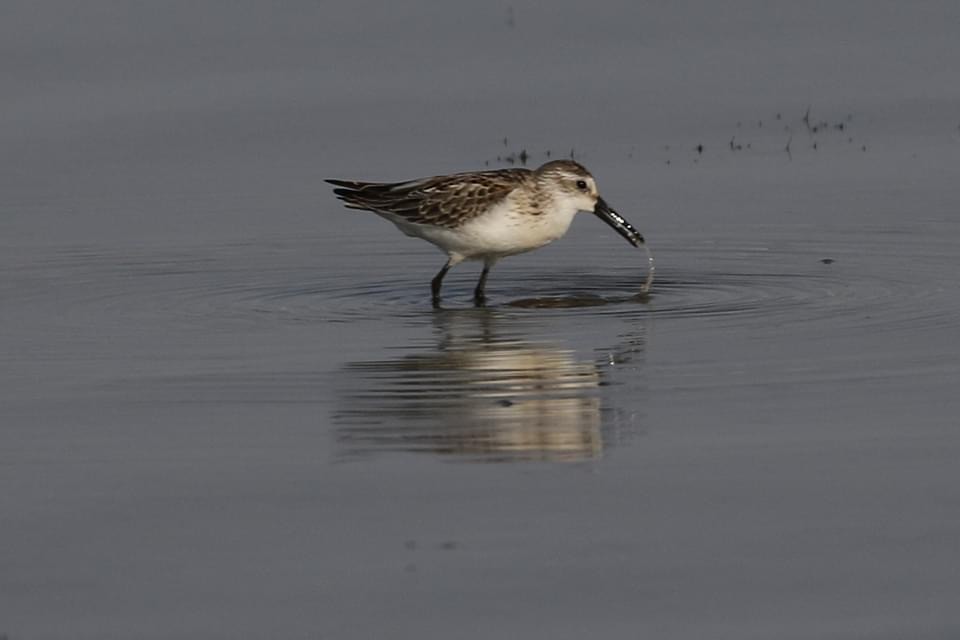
point(478, 297)
point(437, 281)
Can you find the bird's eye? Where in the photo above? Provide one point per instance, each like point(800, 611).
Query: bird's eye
point(582, 185)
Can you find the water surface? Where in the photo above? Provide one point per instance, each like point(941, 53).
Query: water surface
point(228, 409)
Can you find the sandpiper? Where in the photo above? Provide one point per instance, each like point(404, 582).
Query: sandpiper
point(486, 215)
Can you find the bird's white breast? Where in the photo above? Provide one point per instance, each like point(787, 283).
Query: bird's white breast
point(503, 230)
point(507, 229)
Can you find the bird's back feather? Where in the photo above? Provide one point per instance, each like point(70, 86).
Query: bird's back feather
point(441, 201)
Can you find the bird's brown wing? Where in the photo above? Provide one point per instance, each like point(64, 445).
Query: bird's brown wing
point(442, 201)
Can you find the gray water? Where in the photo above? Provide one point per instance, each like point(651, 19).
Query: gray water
point(228, 410)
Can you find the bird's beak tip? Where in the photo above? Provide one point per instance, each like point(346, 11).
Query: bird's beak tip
point(606, 213)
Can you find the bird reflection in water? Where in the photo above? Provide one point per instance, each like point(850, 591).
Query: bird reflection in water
point(478, 395)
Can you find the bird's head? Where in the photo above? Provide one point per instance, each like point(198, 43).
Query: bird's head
point(571, 182)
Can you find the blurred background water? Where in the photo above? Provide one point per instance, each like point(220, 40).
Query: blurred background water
point(227, 408)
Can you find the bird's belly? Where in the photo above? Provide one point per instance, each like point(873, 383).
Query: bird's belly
point(503, 232)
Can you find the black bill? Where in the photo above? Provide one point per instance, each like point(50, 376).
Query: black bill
point(615, 220)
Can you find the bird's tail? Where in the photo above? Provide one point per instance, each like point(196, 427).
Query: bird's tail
point(371, 196)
